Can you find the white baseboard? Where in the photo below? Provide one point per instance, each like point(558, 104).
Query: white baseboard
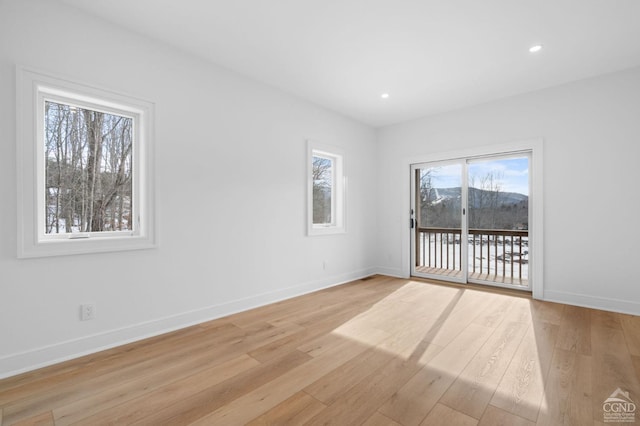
point(22, 362)
point(568, 298)
point(602, 303)
point(391, 272)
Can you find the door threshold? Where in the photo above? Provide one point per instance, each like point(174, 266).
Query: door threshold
point(524, 293)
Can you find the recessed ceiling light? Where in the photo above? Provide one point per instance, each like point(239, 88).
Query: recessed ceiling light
point(535, 48)
point(384, 95)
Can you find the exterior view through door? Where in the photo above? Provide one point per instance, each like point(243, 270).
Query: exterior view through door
point(470, 220)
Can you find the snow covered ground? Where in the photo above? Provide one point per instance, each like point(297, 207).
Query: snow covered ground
point(487, 255)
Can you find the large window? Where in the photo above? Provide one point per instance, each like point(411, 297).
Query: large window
point(85, 182)
point(325, 191)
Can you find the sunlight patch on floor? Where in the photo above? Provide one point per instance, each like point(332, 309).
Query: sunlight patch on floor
point(443, 328)
point(401, 322)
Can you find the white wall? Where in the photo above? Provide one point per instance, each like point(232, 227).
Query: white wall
point(591, 136)
point(230, 165)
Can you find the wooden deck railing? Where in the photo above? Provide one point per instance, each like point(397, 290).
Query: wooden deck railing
point(492, 253)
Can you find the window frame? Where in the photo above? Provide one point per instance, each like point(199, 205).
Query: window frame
point(338, 190)
point(33, 89)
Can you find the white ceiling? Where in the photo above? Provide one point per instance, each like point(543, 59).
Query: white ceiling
point(429, 55)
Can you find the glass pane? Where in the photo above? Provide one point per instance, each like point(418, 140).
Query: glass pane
point(322, 190)
point(88, 171)
point(439, 215)
point(499, 220)
point(499, 194)
point(440, 196)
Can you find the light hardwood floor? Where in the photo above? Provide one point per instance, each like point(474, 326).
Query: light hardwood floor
point(381, 351)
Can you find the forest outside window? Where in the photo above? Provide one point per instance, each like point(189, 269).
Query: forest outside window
point(88, 171)
point(326, 191)
point(84, 177)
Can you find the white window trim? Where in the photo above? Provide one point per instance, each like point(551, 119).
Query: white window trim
point(338, 198)
point(32, 88)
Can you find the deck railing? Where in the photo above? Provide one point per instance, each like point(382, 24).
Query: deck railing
point(492, 252)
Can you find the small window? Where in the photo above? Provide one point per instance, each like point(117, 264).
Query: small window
point(326, 190)
point(84, 180)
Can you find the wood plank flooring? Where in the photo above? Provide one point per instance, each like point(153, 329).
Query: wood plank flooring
point(381, 351)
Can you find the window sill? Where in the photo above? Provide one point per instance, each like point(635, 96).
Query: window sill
point(75, 246)
point(326, 230)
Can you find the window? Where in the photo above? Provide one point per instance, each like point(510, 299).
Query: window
point(85, 168)
point(325, 190)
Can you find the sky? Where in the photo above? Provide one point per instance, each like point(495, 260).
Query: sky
point(512, 174)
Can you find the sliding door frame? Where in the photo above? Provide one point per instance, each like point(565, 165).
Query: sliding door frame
point(535, 148)
point(464, 264)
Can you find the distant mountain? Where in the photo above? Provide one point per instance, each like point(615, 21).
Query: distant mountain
point(487, 209)
point(476, 196)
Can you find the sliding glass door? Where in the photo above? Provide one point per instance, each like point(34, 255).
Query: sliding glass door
point(498, 220)
point(470, 220)
point(438, 207)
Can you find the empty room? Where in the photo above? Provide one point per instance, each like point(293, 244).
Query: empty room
point(319, 212)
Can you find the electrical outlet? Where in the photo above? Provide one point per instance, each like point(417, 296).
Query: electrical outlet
point(324, 265)
point(87, 311)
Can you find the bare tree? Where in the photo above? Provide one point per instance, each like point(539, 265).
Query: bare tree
point(485, 200)
point(322, 174)
point(88, 170)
